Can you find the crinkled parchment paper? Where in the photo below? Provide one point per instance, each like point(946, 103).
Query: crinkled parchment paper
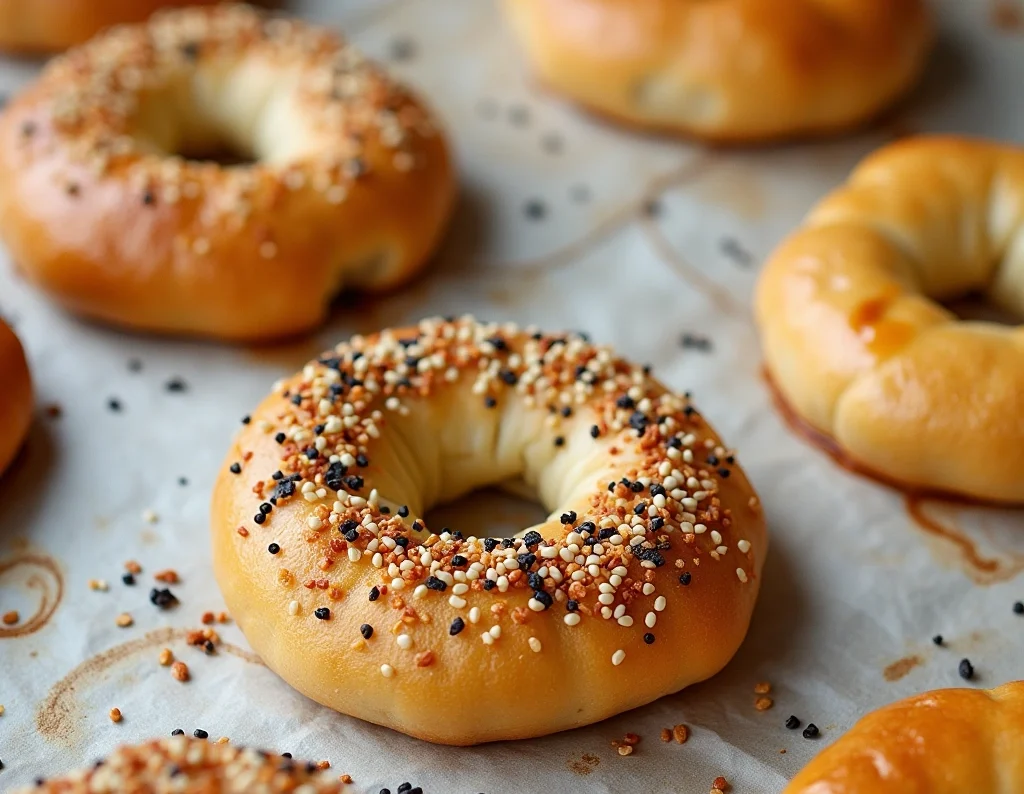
point(639, 241)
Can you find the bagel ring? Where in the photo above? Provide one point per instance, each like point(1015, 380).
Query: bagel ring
point(34, 26)
point(191, 766)
point(640, 583)
point(736, 71)
point(15, 396)
point(948, 741)
point(856, 344)
point(351, 187)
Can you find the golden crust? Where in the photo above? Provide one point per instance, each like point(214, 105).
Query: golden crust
point(449, 660)
point(35, 26)
point(858, 347)
point(352, 186)
point(189, 766)
point(736, 71)
point(15, 396)
point(943, 742)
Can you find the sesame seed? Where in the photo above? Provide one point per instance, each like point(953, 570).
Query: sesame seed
point(387, 670)
point(618, 657)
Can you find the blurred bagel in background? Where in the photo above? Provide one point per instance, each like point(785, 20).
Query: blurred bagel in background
point(15, 396)
point(738, 71)
point(40, 26)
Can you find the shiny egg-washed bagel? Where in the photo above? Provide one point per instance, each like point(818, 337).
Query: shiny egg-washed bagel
point(950, 741)
point(49, 25)
point(183, 765)
point(15, 396)
point(640, 583)
point(732, 70)
point(110, 202)
point(857, 343)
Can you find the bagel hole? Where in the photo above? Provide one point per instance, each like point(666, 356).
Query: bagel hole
point(980, 307)
point(494, 512)
point(221, 152)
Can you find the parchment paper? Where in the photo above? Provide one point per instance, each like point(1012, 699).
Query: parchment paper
point(567, 223)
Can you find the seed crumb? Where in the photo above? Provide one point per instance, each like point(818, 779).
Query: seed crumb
point(222, 740)
point(98, 584)
point(346, 779)
point(10, 618)
point(169, 576)
point(425, 659)
point(124, 620)
point(2, 710)
point(680, 733)
point(150, 516)
point(322, 765)
point(223, 617)
point(625, 749)
point(115, 715)
point(179, 671)
point(666, 735)
point(208, 618)
point(133, 567)
point(631, 739)
point(166, 657)
point(720, 785)
point(762, 688)
point(763, 703)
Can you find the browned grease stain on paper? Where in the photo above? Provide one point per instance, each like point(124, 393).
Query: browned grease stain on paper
point(981, 569)
point(45, 577)
point(901, 667)
point(59, 717)
point(583, 765)
point(1007, 15)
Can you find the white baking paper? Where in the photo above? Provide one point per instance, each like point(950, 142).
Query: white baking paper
point(640, 241)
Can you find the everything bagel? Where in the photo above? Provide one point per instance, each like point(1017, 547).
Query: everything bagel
point(15, 396)
point(49, 25)
point(732, 70)
point(189, 766)
point(640, 583)
point(945, 742)
point(857, 344)
point(101, 206)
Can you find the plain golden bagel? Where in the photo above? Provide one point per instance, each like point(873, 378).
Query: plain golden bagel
point(739, 71)
point(34, 26)
point(640, 583)
point(15, 396)
point(109, 200)
point(949, 741)
point(191, 766)
point(857, 343)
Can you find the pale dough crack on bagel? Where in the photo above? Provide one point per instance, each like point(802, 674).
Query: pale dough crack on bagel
point(857, 344)
point(641, 582)
point(15, 396)
point(949, 741)
point(731, 70)
point(192, 766)
point(350, 185)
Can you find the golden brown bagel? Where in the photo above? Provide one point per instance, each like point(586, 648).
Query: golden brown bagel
point(50, 25)
point(950, 741)
point(351, 186)
point(15, 396)
point(411, 639)
point(731, 70)
point(189, 766)
point(856, 343)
